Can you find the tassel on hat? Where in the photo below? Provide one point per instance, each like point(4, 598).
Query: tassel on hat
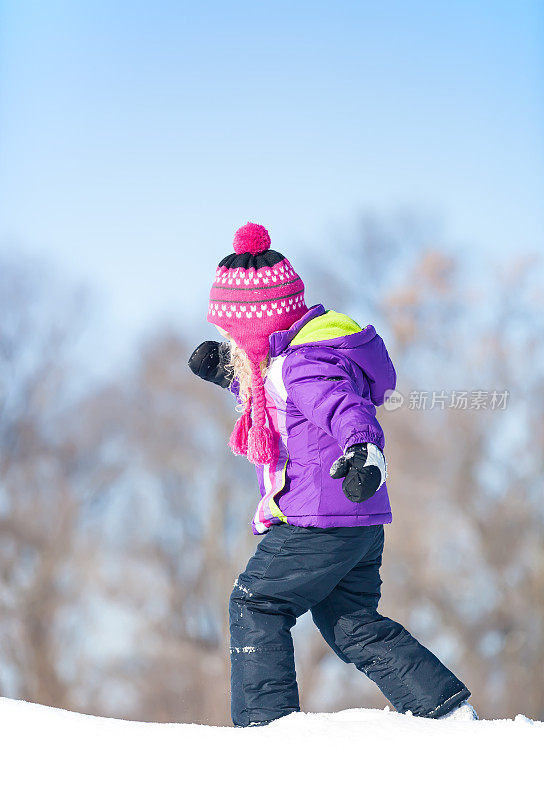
point(255, 441)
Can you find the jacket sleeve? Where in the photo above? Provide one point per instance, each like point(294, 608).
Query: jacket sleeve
point(321, 385)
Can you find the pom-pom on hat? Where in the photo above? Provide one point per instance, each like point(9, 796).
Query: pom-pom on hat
point(255, 292)
point(251, 238)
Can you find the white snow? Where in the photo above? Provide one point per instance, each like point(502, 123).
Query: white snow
point(48, 752)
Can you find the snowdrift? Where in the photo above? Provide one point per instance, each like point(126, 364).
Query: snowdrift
point(47, 752)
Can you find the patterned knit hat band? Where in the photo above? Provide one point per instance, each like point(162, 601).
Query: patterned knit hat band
point(252, 304)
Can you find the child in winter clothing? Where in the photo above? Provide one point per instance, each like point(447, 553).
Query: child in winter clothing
point(310, 381)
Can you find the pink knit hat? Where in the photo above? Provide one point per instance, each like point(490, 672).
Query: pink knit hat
point(255, 292)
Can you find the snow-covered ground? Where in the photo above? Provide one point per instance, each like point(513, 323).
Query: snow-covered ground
point(359, 753)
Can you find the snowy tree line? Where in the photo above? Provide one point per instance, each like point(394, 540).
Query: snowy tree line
point(124, 518)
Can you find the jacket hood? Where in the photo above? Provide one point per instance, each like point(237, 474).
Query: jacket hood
point(321, 328)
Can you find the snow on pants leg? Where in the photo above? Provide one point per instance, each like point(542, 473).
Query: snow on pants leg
point(335, 573)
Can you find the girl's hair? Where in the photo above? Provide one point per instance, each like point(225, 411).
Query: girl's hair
point(240, 365)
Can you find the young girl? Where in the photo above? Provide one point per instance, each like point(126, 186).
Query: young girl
point(310, 381)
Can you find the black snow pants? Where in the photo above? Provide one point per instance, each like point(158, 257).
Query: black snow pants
point(334, 573)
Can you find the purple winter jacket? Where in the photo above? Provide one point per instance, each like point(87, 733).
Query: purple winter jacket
point(326, 377)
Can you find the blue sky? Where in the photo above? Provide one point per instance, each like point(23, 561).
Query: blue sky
point(137, 136)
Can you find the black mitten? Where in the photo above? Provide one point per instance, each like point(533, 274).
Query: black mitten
point(363, 468)
point(209, 361)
